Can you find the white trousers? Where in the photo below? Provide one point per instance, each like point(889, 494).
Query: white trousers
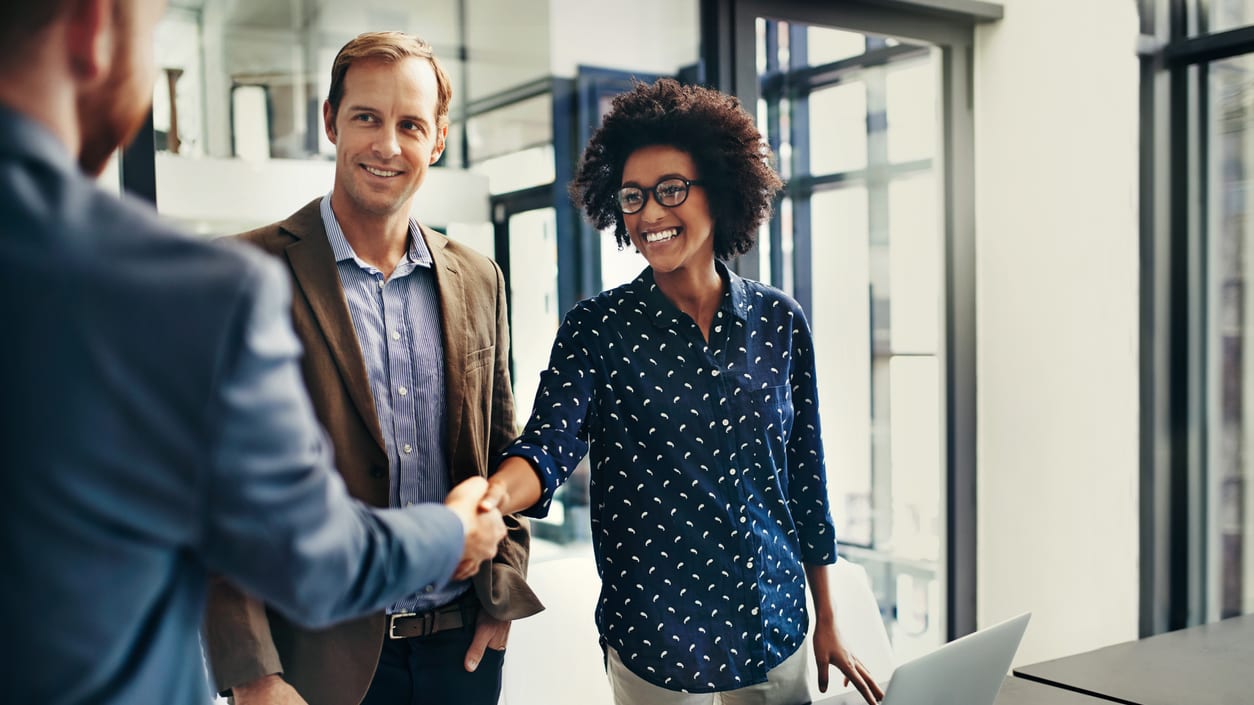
point(785, 685)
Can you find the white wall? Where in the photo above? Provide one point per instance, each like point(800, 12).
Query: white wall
point(1056, 86)
point(508, 42)
point(650, 36)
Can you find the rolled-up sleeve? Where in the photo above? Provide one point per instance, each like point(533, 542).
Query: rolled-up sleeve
point(555, 439)
point(808, 502)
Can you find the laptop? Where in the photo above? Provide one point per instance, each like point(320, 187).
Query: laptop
point(966, 671)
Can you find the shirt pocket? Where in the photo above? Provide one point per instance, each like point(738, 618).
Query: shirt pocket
point(772, 408)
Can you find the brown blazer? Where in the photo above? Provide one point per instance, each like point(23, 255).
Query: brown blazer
point(245, 639)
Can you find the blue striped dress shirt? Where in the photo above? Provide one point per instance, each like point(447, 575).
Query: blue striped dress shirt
point(400, 331)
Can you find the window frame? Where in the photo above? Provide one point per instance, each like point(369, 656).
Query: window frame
point(1175, 53)
point(728, 52)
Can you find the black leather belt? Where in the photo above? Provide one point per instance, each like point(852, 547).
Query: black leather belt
point(455, 615)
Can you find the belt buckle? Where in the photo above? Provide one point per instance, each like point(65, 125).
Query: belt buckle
point(392, 623)
point(428, 623)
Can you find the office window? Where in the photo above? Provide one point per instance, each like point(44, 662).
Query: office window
point(1221, 15)
point(859, 239)
point(1198, 364)
point(1230, 334)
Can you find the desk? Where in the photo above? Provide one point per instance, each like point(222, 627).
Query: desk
point(1021, 691)
point(1014, 691)
point(1208, 665)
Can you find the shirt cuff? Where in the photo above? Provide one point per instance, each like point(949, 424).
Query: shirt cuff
point(547, 471)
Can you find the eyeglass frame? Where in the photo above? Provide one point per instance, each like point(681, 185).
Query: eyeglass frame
point(644, 192)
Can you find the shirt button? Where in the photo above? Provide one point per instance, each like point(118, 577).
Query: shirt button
point(429, 588)
point(714, 373)
point(408, 448)
point(380, 283)
point(726, 422)
point(402, 391)
point(396, 335)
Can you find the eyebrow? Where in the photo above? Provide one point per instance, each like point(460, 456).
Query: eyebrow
point(367, 109)
point(664, 177)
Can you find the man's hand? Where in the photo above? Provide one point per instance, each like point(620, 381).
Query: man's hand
point(267, 690)
point(490, 633)
point(484, 528)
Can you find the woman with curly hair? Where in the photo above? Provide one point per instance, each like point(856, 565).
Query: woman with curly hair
point(695, 390)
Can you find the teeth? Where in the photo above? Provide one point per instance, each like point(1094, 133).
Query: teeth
point(661, 235)
point(381, 172)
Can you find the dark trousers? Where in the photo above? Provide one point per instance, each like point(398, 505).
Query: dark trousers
point(430, 670)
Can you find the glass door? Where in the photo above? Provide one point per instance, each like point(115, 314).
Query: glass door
point(858, 239)
point(527, 251)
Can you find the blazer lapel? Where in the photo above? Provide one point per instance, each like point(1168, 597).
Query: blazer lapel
point(313, 266)
point(451, 288)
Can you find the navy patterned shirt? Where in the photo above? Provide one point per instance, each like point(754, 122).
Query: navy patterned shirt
point(708, 490)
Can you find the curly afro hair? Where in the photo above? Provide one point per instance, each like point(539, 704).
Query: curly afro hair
point(733, 160)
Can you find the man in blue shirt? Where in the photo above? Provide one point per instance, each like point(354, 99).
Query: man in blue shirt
point(407, 347)
point(153, 424)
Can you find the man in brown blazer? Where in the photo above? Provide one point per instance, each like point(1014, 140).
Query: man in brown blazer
point(406, 360)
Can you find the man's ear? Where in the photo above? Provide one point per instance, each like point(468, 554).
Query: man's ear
point(328, 120)
point(90, 33)
point(440, 136)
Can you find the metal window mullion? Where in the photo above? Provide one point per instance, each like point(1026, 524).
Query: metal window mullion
point(1210, 47)
point(960, 341)
point(1156, 385)
point(774, 98)
point(802, 261)
point(1196, 518)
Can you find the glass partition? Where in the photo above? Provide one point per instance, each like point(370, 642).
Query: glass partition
point(859, 241)
point(1230, 482)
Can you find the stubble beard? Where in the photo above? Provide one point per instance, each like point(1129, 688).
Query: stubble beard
point(110, 116)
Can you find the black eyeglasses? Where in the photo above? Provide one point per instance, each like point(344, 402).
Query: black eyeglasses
point(668, 192)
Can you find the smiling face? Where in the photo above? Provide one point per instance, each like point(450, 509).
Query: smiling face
point(673, 240)
point(385, 136)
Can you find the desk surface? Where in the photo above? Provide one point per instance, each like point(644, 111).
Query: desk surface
point(1021, 691)
point(1208, 665)
point(1014, 691)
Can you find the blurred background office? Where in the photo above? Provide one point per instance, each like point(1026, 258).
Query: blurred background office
point(1019, 229)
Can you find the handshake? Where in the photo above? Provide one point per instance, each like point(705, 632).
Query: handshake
point(477, 504)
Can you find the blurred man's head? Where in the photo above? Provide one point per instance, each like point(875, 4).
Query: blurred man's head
point(102, 50)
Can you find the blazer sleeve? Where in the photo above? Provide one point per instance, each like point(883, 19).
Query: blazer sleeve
point(503, 429)
point(512, 599)
point(238, 643)
point(277, 519)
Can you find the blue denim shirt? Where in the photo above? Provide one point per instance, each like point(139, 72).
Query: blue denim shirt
point(708, 490)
